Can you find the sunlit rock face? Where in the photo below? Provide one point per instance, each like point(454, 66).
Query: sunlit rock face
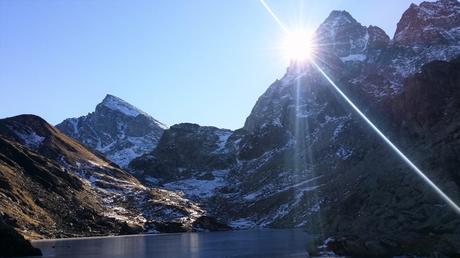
point(117, 129)
point(53, 187)
point(429, 23)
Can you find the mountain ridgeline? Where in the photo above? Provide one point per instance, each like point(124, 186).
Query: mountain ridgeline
point(303, 158)
point(54, 187)
point(117, 129)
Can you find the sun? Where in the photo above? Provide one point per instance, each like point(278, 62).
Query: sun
point(298, 46)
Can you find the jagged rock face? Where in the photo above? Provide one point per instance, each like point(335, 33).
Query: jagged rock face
point(286, 156)
point(117, 129)
point(429, 23)
point(189, 158)
point(341, 34)
point(344, 181)
point(379, 206)
point(325, 169)
point(380, 65)
point(377, 37)
point(52, 186)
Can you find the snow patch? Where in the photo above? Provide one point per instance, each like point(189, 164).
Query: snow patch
point(199, 188)
point(343, 153)
point(222, 141)
point(30, 138)
point(122, 106)
point(354, 58)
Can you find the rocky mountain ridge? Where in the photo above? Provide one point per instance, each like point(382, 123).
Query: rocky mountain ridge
point(117, 129)
point(53, 187)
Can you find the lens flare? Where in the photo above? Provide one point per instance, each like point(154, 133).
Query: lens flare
point(307, 54)
point(298, 45)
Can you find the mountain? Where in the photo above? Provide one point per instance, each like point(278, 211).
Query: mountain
point(341, 34)
point(189, 156)
point(375, 205)
point(429, 23)
point(52, 186)
point(117, 129)
point(194, 160)
point(304, 158)
point(40, 197)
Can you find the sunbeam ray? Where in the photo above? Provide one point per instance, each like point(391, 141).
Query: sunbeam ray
point(446, 198)
point(396, 149)
point(285, 29)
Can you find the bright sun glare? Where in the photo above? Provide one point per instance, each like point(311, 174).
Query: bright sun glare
point(298, 45)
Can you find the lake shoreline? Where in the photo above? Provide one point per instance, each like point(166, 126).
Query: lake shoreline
point(244, 243)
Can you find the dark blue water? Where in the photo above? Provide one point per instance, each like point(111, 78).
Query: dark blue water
point(252, 243)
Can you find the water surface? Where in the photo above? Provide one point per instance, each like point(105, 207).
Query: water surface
point(251, 243)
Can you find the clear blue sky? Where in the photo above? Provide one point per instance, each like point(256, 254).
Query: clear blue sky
point(200, 61)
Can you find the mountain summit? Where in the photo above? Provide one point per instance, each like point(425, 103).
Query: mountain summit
point(342, 35)
point(429, 23)
point(117, 129)
point(116, 104)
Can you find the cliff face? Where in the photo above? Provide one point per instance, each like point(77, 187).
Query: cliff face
point(429, 23)
point(380, 206)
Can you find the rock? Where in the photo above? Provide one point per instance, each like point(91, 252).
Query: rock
point(130, 229)
point(12, 244)
point(210, 224)
point(429, 23)
point(170, 227)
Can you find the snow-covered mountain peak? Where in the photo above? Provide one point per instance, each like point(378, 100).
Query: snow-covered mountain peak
point(117, 129)
point(117, 104)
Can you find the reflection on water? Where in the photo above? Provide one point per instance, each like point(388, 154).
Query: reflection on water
point(253, 243)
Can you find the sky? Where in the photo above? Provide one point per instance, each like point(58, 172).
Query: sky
point(200, 61)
